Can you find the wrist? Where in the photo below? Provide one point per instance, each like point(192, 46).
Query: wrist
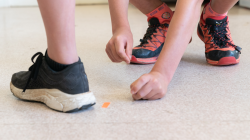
point(120, 26)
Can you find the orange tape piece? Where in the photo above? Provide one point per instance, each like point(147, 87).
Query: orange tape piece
point(105, 105)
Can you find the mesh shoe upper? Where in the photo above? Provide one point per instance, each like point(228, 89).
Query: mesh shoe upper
point(217, 38)
point(71, 80)
point(153, 40)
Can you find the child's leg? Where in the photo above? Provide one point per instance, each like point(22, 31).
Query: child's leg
point(222, 6)
point(58, 79)
point(214, 31)
point(218, 8)
point(159, 16)
point(59, 20)
point(146, 6)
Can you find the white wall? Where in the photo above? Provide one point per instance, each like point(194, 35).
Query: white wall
point(7, 3)
point(245, 3)
point(4, 3)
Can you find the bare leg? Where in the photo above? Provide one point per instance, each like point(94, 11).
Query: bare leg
point(59, 20)
point(146, 6)
point(222, 6)
point(52, 73)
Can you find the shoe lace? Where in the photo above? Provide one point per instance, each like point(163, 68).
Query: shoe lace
point(150, 31)
point(34, 68)
point(220, 35)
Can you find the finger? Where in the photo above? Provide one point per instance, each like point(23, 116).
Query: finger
point(139, 83)
point(146, 89)
point(129, 50)
point(114, 54)
point(150, 94)
point(139, 96)
point(157, 96)
point(136, 96)
point(120, 51)
point(109, 53)
point(111, 57)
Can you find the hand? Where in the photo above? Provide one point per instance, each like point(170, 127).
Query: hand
point(119, 47)
point(150, 86)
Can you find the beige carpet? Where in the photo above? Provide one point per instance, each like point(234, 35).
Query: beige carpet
point(203, 102)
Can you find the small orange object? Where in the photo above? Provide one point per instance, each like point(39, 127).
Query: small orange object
point(105, 105)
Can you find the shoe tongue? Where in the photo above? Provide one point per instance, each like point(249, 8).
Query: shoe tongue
point(216, 20)
point(153, 21)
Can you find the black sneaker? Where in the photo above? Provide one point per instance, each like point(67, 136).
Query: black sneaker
point(65, 91)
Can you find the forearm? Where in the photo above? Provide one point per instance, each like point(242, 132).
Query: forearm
point(179, 34)
point(119, 13)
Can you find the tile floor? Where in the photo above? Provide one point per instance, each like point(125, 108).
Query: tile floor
point(203, 102)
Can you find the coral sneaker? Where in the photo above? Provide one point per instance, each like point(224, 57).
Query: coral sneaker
point(151, 44)
point(219, 46)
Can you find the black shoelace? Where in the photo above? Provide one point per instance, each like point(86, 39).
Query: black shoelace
point(219, 34)
point(34, 68)
point(151, 30)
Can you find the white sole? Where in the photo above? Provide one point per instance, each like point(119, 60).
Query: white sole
point(55, 98)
